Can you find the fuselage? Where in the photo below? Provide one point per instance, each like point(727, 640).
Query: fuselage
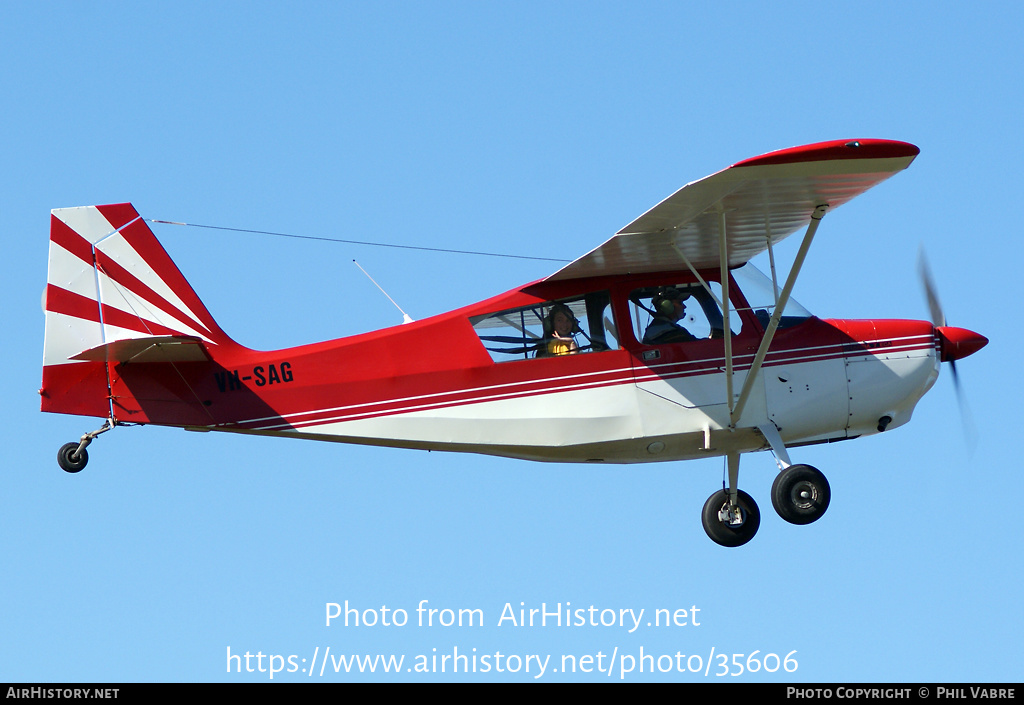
point(476, 380)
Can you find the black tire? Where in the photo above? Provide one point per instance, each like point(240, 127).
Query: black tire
point(800, 494)
point(67, 459)
point(725, 534)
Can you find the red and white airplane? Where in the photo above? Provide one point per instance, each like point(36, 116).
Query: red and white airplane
point(596, 363)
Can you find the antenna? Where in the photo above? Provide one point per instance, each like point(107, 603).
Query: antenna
point(405, 316)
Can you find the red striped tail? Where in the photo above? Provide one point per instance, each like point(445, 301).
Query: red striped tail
point(113, 295)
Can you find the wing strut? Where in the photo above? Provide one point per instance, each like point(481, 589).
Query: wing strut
point(771, 262)
point(773, 323)
point(723, 257)
point(703, 283)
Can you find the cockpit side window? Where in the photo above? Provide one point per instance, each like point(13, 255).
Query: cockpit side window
point(679, 313)
point(559, 328)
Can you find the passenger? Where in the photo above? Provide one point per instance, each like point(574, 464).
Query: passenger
point(668, 309)
point(559, 327)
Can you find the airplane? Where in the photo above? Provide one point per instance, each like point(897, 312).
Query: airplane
point(568, 368)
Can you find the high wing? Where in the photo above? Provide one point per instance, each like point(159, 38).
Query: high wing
point(763, 198)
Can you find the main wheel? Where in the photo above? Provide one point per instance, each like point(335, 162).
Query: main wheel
point(800, 494)
point(724, 529)
point(68, 460)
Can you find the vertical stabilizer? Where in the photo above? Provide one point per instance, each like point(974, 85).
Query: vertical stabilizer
point(109, 280)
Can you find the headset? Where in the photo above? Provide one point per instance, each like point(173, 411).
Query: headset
point(664, 301)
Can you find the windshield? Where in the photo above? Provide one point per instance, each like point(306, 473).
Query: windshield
point(761, 295)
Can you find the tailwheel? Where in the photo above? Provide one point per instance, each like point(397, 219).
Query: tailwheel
point(800, 494)
point(731, 526)
point(70, 458)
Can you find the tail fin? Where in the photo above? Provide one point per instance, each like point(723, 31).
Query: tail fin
point(113, 294)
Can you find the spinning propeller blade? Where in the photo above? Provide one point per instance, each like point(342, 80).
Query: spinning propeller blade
point(938, 318)
point(954, 344)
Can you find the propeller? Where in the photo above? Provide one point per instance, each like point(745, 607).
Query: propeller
point(954, 343)
point(938, 316)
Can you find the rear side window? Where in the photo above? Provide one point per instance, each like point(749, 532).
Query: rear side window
point(559, 328)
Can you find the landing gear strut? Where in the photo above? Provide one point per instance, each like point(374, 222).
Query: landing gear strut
point(72, 457)
point(731, 516)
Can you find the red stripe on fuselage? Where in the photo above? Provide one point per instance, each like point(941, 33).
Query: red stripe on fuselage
point(442, 400)
point(743, 363)
point(593, 380)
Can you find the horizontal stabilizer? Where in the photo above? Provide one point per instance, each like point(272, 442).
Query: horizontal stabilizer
point(161, 348)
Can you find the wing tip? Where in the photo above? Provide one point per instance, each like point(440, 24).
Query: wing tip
point(836, 150)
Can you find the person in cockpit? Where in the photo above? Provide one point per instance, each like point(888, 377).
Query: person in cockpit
point(669, 308)
point(559, 327)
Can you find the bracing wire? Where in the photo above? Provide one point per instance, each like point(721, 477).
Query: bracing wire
point(358, 242)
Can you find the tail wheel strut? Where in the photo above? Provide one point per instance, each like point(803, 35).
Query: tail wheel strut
point(72, 457)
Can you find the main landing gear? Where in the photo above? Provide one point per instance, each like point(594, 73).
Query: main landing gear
point(729, 525)
point(72, 457)
point(800, 495)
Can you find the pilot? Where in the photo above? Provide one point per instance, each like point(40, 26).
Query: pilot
point(559, 326)
point(668, 309)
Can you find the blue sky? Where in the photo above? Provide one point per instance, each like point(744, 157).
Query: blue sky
point(536, 129)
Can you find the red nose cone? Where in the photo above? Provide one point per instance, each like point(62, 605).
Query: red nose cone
point(956, 343)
